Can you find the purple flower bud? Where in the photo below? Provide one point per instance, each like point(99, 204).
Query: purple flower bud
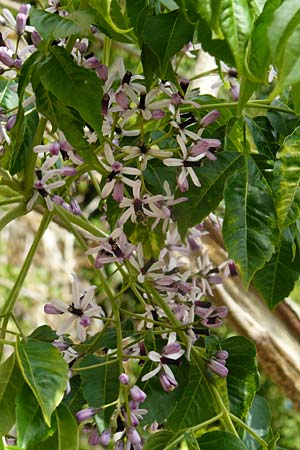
point(222, 354)
point(134, 420)
point(137, 394)
point(210, 118)
point(133, 436)
point(82, 46)
point(51, 309)
point(157, 114)
point(122, 99)
point(24, 9)
point(57, 200)
point(167, 383)
point(118, 192)
point(17, 63)
point(124, 378)
point(20, 23)
point(232, 268)
point(11, 121)
point(7, 60)
point(61, 345)
point(171, 348)
point(92, 63)
point(105, 104)
point(119, 445)
point(69, 171)
point(36, 38)
point(218, 368)
point(94, 438)
point(85, 414)
point(102, 72)
point(105, 438)
point(54, 148)
point(75, 208)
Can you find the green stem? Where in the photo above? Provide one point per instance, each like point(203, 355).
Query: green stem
point(11, 200)
point(18, 211)
point(93, 366)
point(13, 295)
point(261, 441)
point(106, 50)
point(253, 104)
point(226, 413)
point(31, 162)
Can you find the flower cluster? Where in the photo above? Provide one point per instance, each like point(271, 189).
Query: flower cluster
point(148, 163)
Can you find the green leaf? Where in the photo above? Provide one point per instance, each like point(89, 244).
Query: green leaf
point(215, 47)
point(111, 12)
point(283, 123)
point(73, 85)
point(30, 423)
point(159, 440)
point(258, 60)
point(263, 135)
point(10, 383)
point(43, 333)
point(74, 400)
point(46, 373)
point(236, 23)
point(54, 26)
point(295, 96)
point(209, 11)
point(258, 420)
point(203, 200)
point(284, 34)
point(221, 440)
point(100, 385)
point(153, 241)
point(66, 436)
point(276, 279)
point(21, 142)
point(8, 97)
point(243, 377)
point(250, 225)
point(197, 402)
point(172, 32)
point(64, 118)
point(286, 185)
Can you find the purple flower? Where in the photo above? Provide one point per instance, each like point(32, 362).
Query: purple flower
point(124, 378)
point(137, 394)
point(210, 118)
point(105, 438)
point(217, 367)
point(20, 23)
point(85, 414)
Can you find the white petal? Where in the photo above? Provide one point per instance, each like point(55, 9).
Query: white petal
point(151, 374)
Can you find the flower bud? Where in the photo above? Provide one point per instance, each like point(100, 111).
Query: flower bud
point(69, 171)
point(24, 9)
point(20, 23)
point(75, 208)
point(85, 414)
point(167, 383)
point(94, 437)
point(169, 349)
point(137, 394)
point(51, 309)
point(210, 118)
point(133, 436)
point(102, 72)
point(222, 354)
point(124, 378)
point(11, 121)
point(122, 99)
point(92, 63)
point(36, 38)
point(105, 438)
point(218, 368)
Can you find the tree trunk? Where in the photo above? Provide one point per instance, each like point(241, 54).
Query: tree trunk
point(275, 333)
